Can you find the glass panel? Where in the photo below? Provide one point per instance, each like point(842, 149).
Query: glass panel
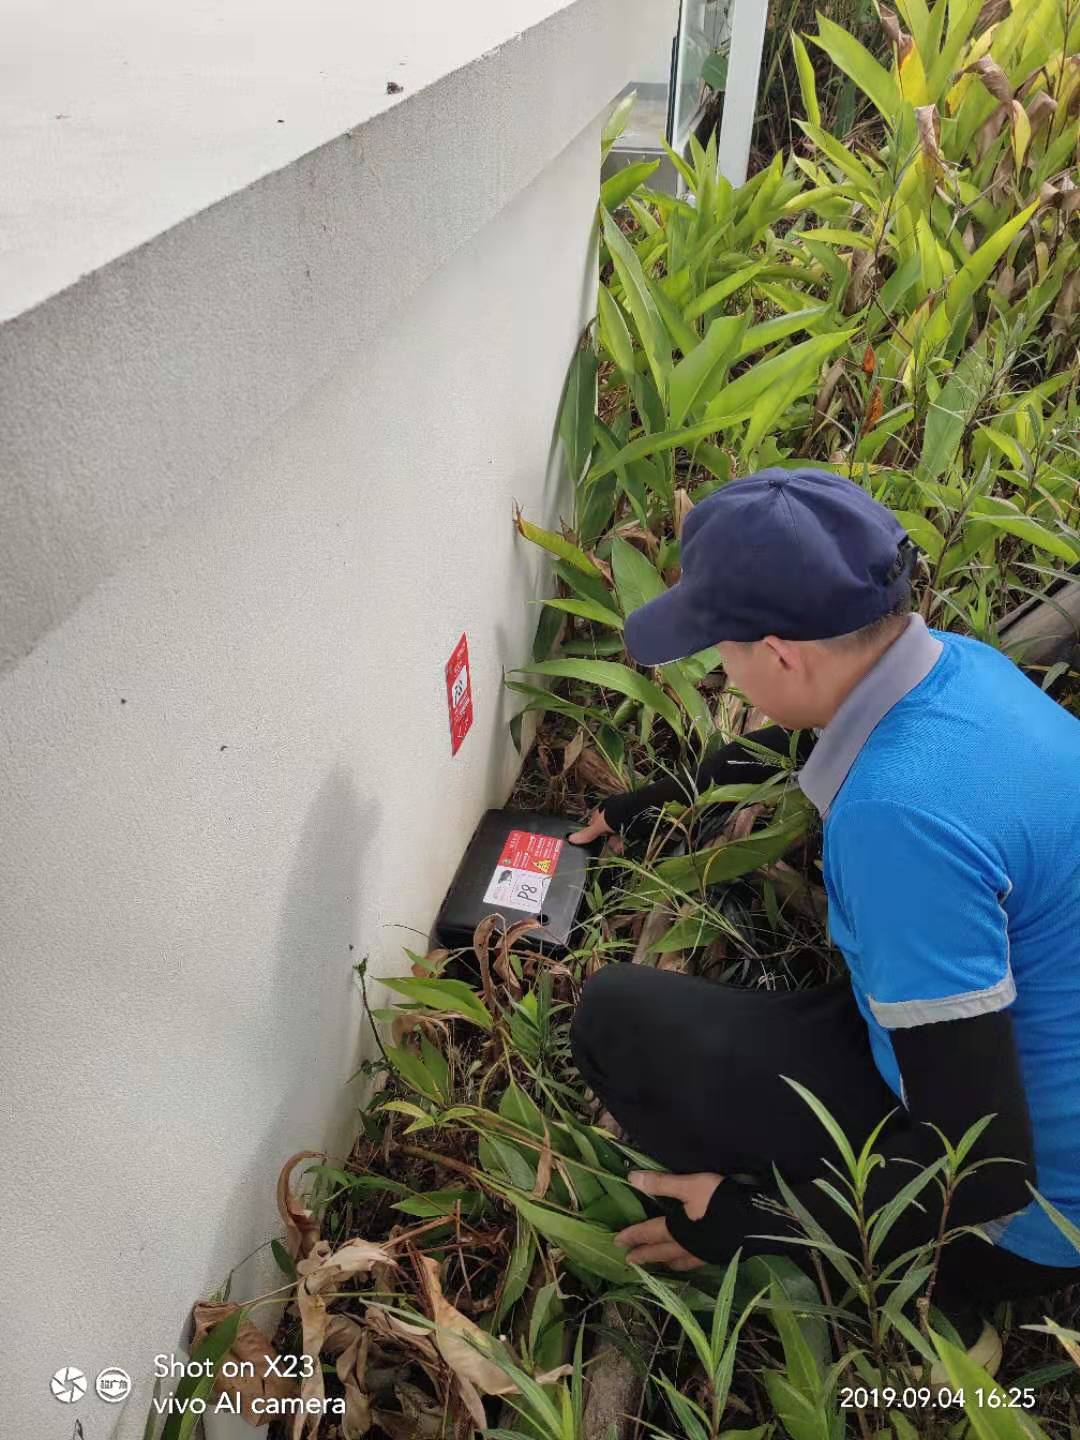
point(669, 84)
point(704, 26)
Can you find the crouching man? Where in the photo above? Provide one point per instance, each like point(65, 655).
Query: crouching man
point(949, 785)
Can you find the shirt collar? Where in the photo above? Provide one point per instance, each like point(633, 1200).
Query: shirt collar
point(907, 661)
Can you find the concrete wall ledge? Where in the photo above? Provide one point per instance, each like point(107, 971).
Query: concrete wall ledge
point(182, 267)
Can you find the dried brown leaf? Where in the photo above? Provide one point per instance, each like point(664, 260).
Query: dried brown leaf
point(435, 1027)
point(572, 750)
point(391, 1327)
point(482, 946)
point(603, 567)
point(406, 1427)
point(595, 772)
point(731, 713)
point(742, 822)
point(683, 506)
point(325, 1269)
point(301, 1227)
point(825, 393)
point(633, 531)
point(314, 1320)
point(991, 128)
point(1041, 107)
point(899, 39)
point(431, 965)
point(874, 411)
point(251, 1348)
point(347, 1339)
point(1066, 305)
point(1001, 179)
point(860, 283)
point(543, 1168)
point(929, 125)
point(463, 1344)
point(993, 77)
point(990, 14)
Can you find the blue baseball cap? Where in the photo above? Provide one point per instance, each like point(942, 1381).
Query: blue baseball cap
point(800, 554)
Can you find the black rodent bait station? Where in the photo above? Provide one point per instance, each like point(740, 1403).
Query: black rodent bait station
point(519, 864)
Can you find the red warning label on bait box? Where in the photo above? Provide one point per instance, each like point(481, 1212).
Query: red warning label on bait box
point(521, 878)
point(459, 694)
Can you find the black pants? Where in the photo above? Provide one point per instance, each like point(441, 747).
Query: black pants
point(692, 1070)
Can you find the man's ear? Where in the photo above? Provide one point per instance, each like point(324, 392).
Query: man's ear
point(783, 650)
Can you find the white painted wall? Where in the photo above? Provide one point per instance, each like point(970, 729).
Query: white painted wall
point(256, 477)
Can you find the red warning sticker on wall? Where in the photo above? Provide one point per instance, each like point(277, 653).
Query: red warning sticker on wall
point(459, 694)
point(521, 878)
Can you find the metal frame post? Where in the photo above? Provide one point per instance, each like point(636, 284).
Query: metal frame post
point(743, 80)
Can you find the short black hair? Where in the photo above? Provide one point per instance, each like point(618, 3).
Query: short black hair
point(877, 629)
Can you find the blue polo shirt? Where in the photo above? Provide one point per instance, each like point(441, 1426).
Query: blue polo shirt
point(950, 788)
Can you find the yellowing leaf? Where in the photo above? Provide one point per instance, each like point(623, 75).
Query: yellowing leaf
point(1021, 132)
point(807, 80)
point(913, 78)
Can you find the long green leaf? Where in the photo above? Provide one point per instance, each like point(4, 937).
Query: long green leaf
point(685, 336)
point(807, 80)
point(799, 1360)
point(923, 531)
point(891, 1211)
point(693, 873)
point(650, 327)
point(588, 610)
point(976, 270)
point(843, 158)
point(1063, 1223)
point(800, 1415)
point(1036, 534)
point(414, 1072)
point(697, 378)
point(450, 996)
point(557, 545)
point(952, 413)
point(637, 579)
point(780, 327)
point(518, 1269)
point(577, 411)
point(616, 122)
point(614, 335)
point(587, 1245)
point(625, 181)
point(986, 1404)
point(613, 676)
point(654, 444)
point(716, 294)
point(210, 1348)
point(827, 1120)
point(736, 401)
point(855, 60)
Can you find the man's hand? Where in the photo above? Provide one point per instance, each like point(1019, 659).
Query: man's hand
point(650, 1242)
point(592, 830)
